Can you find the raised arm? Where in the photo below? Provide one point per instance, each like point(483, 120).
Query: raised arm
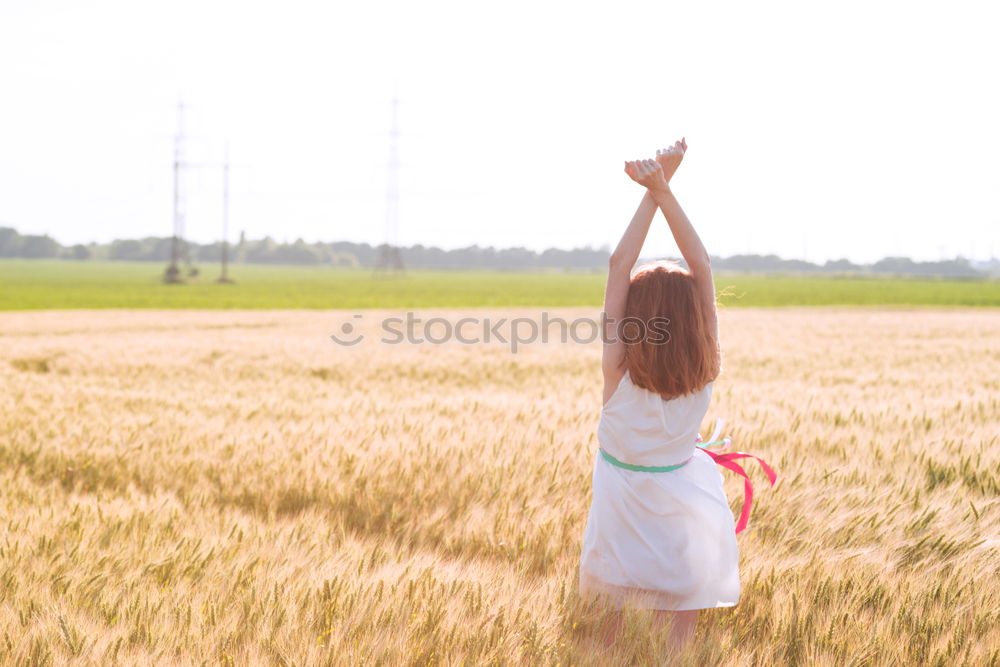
point(616, 291)
point(685, 236)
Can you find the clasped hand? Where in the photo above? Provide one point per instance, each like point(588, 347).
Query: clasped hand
point(656, 174)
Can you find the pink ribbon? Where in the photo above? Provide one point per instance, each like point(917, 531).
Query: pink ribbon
point(728, 461)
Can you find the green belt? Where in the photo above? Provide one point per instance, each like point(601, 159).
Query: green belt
point(628, 466)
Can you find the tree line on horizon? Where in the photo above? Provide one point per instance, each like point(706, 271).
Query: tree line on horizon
point(346, 254)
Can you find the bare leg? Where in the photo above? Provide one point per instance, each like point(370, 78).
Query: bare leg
point(612, 628)
point(682, 625)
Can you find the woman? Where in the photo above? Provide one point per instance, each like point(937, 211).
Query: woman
point(660, 534)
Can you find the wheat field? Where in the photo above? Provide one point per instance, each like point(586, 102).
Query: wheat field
point(209, 487)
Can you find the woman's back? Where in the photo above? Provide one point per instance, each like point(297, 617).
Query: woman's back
point(662, 540)
point(642, 428)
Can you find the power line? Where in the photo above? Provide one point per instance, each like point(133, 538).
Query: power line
point(173, 273)
point(224, 278)
point(178, 247)
point(389, 257)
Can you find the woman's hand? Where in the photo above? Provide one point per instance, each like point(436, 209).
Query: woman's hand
point(670, 158)
point(647, 173)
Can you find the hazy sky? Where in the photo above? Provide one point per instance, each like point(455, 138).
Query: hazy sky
point(846, 129)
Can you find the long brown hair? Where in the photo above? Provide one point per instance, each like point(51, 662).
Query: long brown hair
point(689, 358)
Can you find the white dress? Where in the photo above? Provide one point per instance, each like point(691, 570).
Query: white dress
point(658, 540)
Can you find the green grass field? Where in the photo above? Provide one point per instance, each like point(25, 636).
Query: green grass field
point(54, 284)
